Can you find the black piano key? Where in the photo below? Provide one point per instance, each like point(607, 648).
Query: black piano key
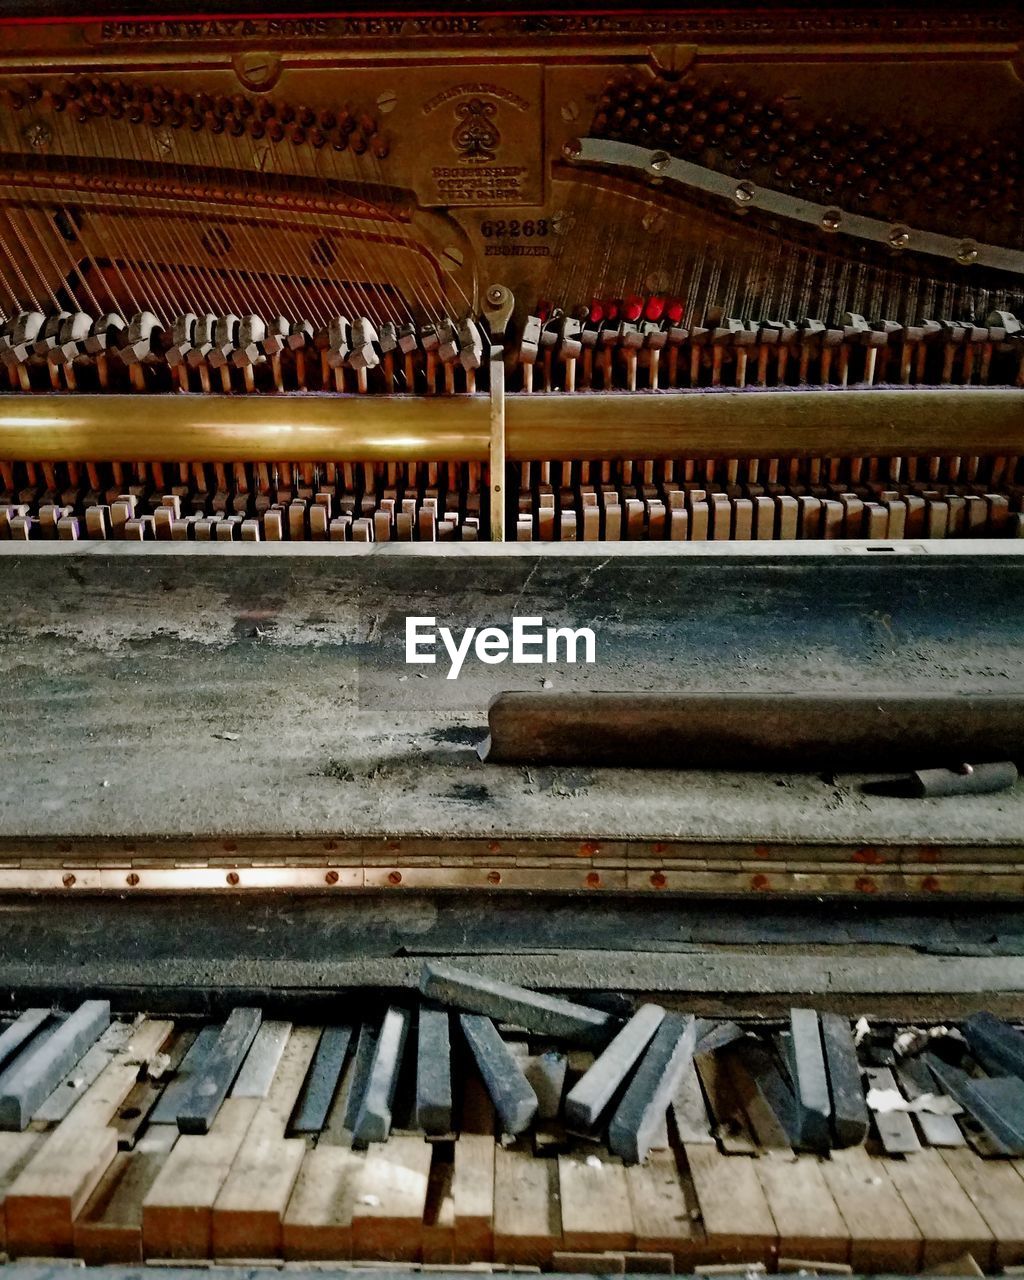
point(810, 1080)
point(166, 1109)
point(997, 1046)
point(433, 1072)
point(20, 1030)
point(850, 1119)
point(373, 1123)
point(210, 1085)
point(35, 1073)
point(514, 1100)
point(595, 1090)
point(641, 1112)
point(322, 1080)
point(366, 1047)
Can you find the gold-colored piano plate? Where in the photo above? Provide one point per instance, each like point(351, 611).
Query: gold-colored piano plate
point(855, 423)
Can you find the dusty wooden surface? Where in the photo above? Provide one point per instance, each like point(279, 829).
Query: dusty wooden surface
point(179, 694)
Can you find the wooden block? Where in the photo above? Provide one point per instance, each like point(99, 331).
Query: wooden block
point(734, 1211)
point(883, 1235)
point(996, 1189)
point(109, 1228)
point(588, 1264)
point(473, 1197)
point(438, 1246)
point(16, 1150)
point(527, 1221)
point(317, 1224)
point(787, 517)
point(596, 1211)
point(806, 1218)
point(949, 1223)
point(387, 1218)
point(662, 1218)
point(48, 1194)
point(250, 1207)
point(178, 1209)
point(261, 1062)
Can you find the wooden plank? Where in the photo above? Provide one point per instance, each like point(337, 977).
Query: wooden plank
point(178, 1209)
point(663, 1220)
point(257, 1071)
point(996, 1189)
point(16, 1150)
point(949, 1224)
point(34, 1074)
point(50, 1191)
point(210, 1085)
point(109, 1228)
point(84, 1073)
point(596, 1209)
point(250, 1207)
point(134, 1115)
point(808, 1223)
point(317, 1224)
point(438, 1246)
point(883, 1235)
point(527, 1220)
point(737, 1221)
point(473, 1197)
point(387, 1218)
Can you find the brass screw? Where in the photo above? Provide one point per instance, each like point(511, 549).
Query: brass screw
point(132, 878)
point(831, 220)
point(573, 149)
point(494, 877)
point(744, 192)
point(899, 237)
point(394, 877)
point(69, 880)
point(659, 162)
point(331, 877)
point(233, 877)
point(966, 252)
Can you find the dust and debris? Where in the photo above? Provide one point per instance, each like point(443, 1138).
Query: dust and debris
point(469, 793)
point(337, 769)
point(228, 737)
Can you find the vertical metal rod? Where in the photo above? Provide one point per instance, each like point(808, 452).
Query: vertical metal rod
point(498, 304)
point(497, 456)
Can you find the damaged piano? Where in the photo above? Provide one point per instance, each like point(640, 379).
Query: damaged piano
point(694, 334)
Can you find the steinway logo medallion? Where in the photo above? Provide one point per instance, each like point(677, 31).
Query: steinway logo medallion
point(476, 136)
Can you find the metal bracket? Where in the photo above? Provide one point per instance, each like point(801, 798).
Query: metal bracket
point(498, 304)
point(745, 195)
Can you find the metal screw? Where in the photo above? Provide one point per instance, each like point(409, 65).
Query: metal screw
point(132, 878)
point(562, 223)
point(573, 149)
point(37, 135)
point(387, 101)
point(966, 770)
point(494, 877)
point(744, 192)
point(394, 877)
point(331, 877)
point(452, 257)
point(68, 880)
point(831, 220)
point(495, 295)
point(899, 237)
point(966, 252)
point(233, 877)
point(659, 162)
